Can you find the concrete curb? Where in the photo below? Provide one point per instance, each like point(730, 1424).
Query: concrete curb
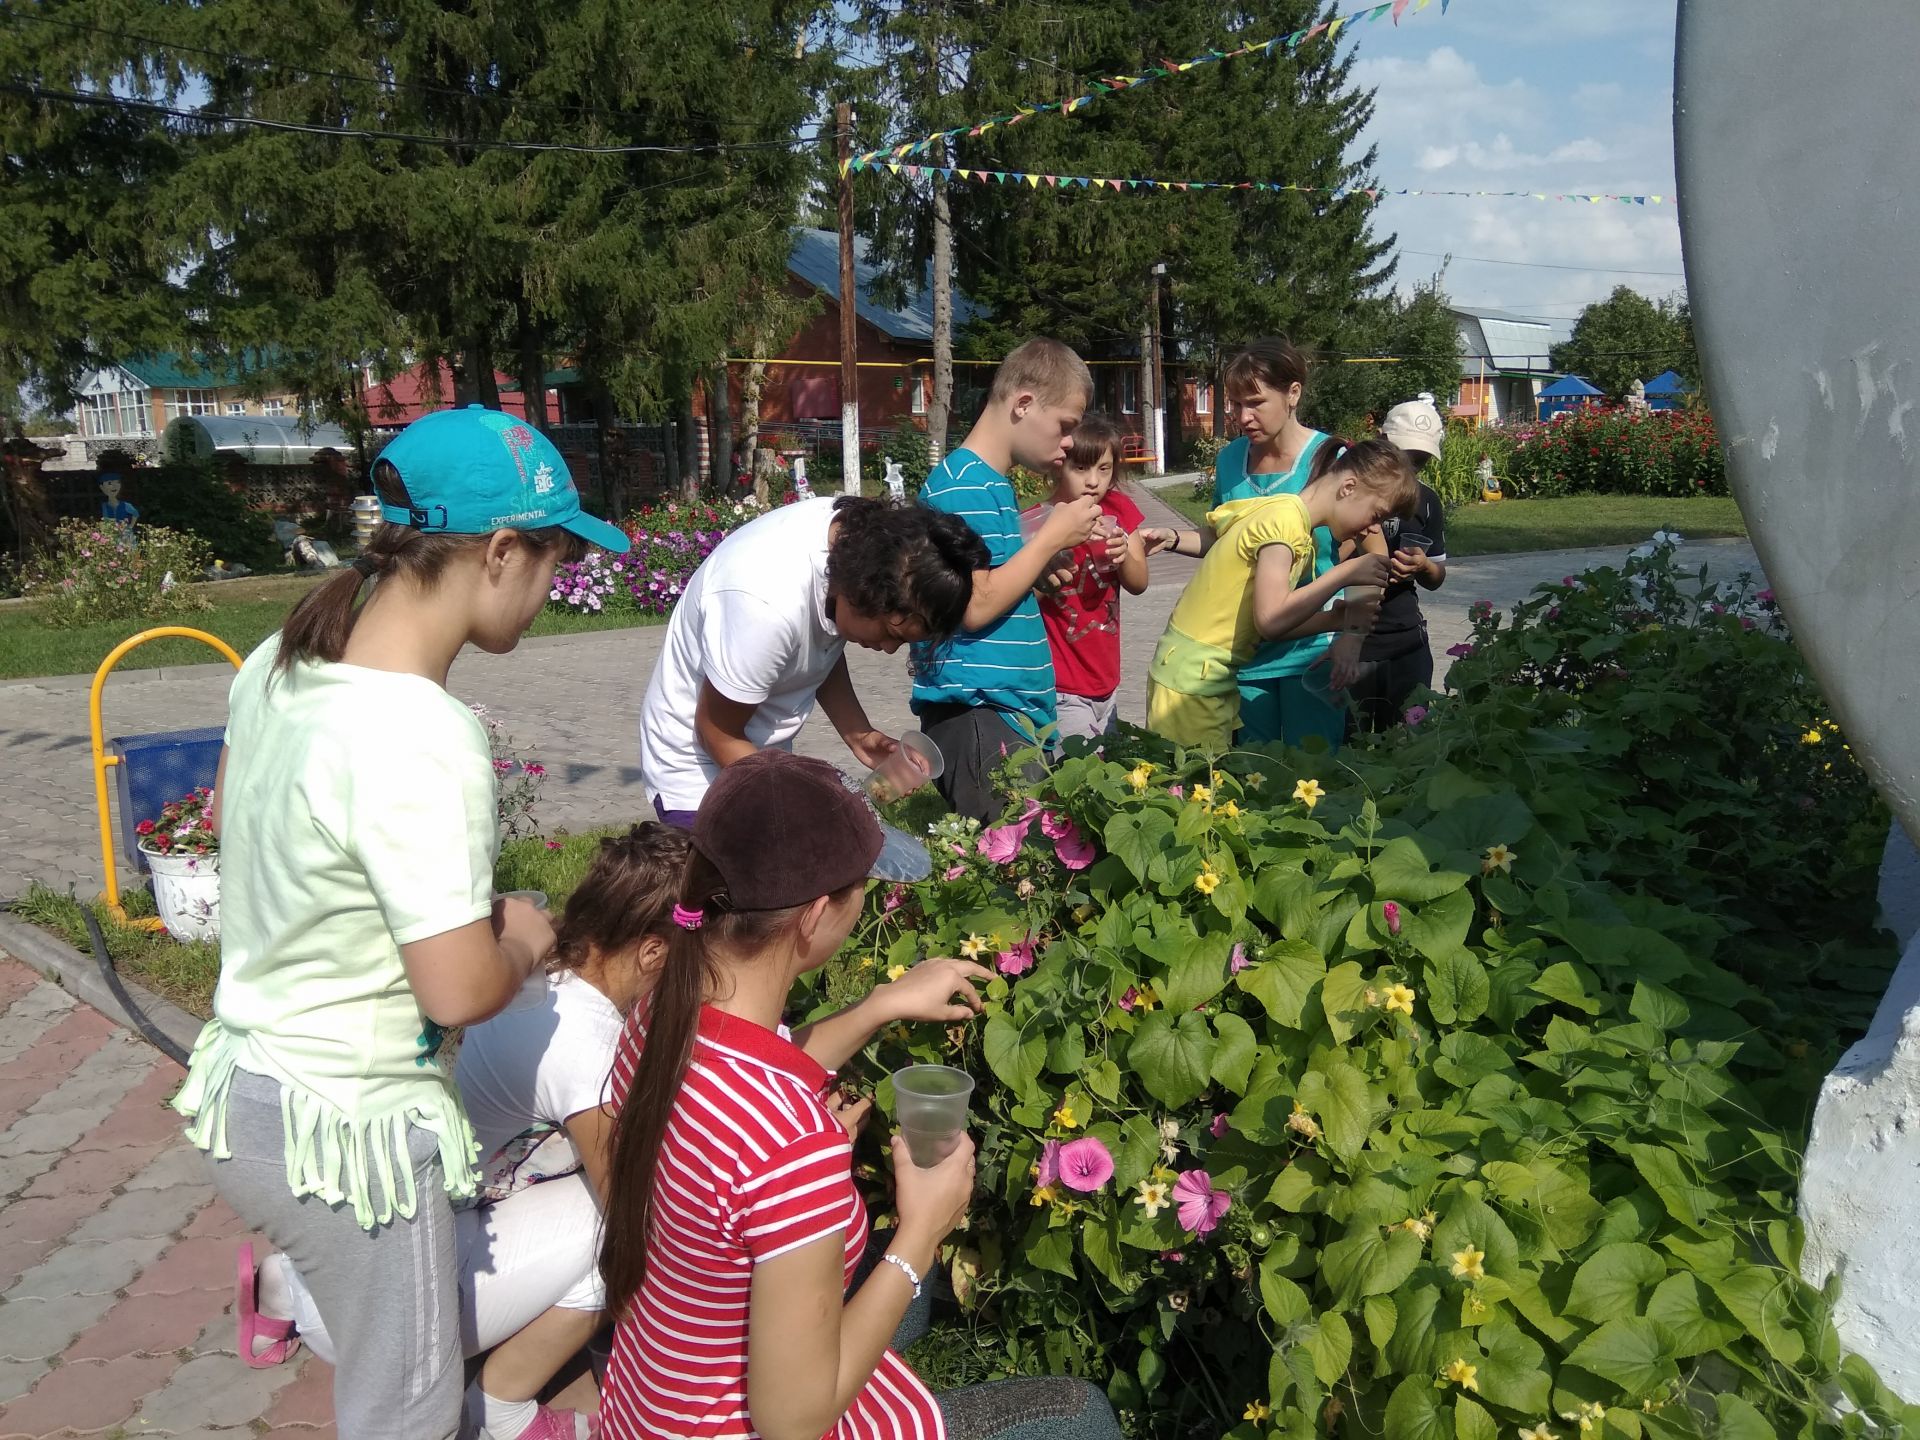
point(159, 1022)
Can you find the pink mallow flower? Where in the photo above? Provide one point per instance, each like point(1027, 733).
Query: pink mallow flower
point(1047, 1172)
point(1220, 1126)
point(1085, 1165)
point(954, 872)
point(1200, 1205)
point(1130, 999)
point(1392, 913)
point(1002, 843)
point(1238, 960)
point(1415, 714)
point(1179, 792)
point(1073, 849)
point(1054, 825)
point(1018, 960)
point(895, 896)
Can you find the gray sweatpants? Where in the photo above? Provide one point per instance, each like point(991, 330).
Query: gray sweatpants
point(390, 1295)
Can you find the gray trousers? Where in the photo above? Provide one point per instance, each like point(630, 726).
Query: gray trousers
point(389, 1296)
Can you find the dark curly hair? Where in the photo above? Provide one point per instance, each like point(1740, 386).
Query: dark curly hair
point(901, 559)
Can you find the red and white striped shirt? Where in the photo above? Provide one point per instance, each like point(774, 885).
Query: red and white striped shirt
point(753, 1166)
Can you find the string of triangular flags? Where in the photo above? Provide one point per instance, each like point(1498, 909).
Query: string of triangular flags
point(1327, 29)
point(1135, 183)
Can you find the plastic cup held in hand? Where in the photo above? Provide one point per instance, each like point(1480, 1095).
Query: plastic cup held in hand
point(916, 762)
point(1362, 600)
point(930, 1102)
point(1032, 520)
point(535, 898)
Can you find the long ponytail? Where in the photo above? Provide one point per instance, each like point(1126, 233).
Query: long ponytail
point(688, 977)
point(1377, 466)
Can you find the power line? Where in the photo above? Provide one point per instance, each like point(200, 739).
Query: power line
point(261, 62)
point(207, 117)
point(1544, 265)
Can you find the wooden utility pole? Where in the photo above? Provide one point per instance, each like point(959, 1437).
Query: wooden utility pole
point(1159, 378)
point(849, 305)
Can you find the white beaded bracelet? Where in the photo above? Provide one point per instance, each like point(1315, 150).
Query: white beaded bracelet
point(907, 1270)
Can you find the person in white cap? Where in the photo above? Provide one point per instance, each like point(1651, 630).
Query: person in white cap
point(1395, 658)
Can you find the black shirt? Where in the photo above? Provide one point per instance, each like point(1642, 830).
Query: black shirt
point(1399, 626)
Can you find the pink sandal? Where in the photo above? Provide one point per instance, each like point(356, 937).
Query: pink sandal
point(253, 1327)
point(551, 1424)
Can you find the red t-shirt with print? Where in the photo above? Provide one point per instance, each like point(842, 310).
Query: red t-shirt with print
point(1083, 619)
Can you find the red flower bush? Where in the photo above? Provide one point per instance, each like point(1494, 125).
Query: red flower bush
point(1614, 452)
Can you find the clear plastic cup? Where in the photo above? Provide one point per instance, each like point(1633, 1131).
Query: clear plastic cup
point(1032, 520)
point(930, 1103)
point(535, 898)
point(1358, 595)
point(917, 762)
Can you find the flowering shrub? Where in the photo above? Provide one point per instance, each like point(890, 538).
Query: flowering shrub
point(184, 827)
point(92, 573)
point(669, 542)
point(1417, 1088)
point(1613, 452)
point(517, 780)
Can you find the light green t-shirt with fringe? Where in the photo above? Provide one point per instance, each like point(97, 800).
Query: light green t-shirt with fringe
point(357, 815)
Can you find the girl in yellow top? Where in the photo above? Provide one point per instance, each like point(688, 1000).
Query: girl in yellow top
point(1248, 588)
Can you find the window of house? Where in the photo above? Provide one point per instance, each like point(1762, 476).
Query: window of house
point(1129, 392)
point(273, 407)
point(124, 412)
point(919, 384)
point(1202, 397)
point(236, 407)
point(191, 402)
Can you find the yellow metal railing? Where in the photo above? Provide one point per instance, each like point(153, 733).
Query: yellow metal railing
point(102, 760)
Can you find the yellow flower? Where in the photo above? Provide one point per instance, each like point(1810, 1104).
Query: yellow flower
point(1230, 810)
point(1421, 1228)
point(1303, 1124)
point(1538, 1432)
point(1064, 1116)
point(1140, 775)
point(1214, 776)
point(866, 962)
point(1308, 792)
point(1153, 1197)
point(1461, 1374)
point(1371, 996)
point(973, 947)
point(1256, 779)
point(1206, 882)
point(1399, 997)
point(1469, 1264)
point(1497, 857)
point(1590, 1413)
point(1045, 1195)
point(1257, 1410)
point(894, 972)
point(1200, 794)
point(1812, 737)
point(1145, 998)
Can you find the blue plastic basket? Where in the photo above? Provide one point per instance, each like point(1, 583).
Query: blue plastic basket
point(156, 770)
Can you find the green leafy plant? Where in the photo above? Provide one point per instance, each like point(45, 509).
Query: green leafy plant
point(1614, 452)
point(198, 500)
point(93, 571)
point(1204, 450)
point(1428, 1090)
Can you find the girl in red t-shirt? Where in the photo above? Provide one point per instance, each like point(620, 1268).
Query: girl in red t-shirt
point(1082, 610)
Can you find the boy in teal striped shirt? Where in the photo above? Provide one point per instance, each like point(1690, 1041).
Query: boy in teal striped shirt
point(989, 690)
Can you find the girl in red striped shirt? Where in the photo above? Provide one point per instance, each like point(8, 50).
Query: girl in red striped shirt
point(733, 1223)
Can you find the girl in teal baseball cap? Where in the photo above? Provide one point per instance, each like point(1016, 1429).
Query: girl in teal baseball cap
point(356, 809)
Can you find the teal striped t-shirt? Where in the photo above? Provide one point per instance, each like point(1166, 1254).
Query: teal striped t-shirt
point(1008, 665)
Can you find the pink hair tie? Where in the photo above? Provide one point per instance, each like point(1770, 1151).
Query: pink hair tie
point(688, 919)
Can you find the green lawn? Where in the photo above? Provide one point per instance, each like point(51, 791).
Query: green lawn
point(1575, 523)
point(244, 613)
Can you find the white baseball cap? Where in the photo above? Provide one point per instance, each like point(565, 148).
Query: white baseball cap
point(1415, 425)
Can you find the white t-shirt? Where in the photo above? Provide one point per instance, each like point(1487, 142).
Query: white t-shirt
point(753, 622)
point(546, 1057)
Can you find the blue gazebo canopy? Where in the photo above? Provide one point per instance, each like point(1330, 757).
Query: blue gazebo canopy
point(1668, 383)
point(1569, 387)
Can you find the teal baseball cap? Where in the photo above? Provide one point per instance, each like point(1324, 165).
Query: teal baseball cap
point(474, 471)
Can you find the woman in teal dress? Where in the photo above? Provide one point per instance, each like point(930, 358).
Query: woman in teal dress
point(1283, 691)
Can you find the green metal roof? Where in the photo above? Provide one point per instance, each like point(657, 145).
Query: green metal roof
point(170, 370)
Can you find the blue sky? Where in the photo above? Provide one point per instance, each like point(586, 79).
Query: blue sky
point(1524, 95)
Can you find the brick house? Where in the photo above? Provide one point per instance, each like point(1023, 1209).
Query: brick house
point(127, 406)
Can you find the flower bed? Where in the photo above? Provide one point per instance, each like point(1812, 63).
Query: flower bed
point(1613, 452)
point(1453, 1087)
point(95, 571)
point(669, 542)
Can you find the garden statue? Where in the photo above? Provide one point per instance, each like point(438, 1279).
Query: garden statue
point(896, 482)
point(113, 509)
point(302, 551)
point(1812, 380)
point(1637, 398)
point(1489, 482)
point(800, 486)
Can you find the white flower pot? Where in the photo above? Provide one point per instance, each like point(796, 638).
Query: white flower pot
point(186, 891)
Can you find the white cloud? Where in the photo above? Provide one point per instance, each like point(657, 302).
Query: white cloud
point(1494, 109)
